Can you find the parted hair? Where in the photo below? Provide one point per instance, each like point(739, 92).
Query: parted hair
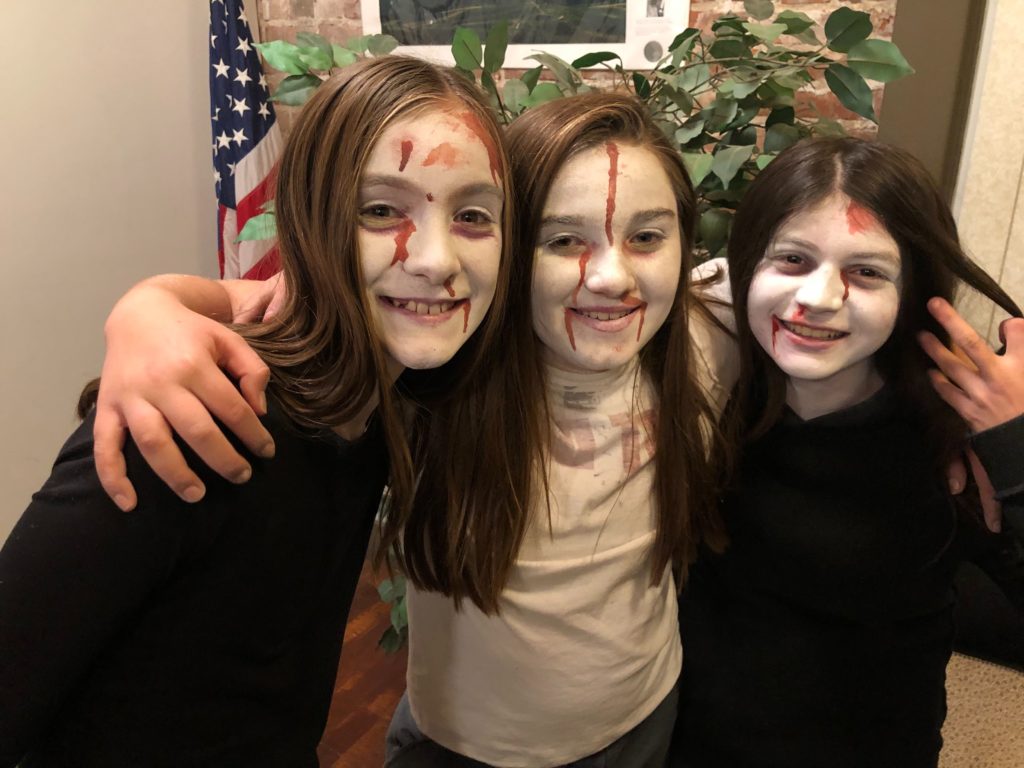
point(471, 555)
point(326, 357)
point(898, 190)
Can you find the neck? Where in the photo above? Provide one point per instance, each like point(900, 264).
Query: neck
point(809, 399)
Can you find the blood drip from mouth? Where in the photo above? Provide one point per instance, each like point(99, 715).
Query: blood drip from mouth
point(568, 329)
point(613, 173)
point(405, 231)
point(448, 287)
point(465, 316)
point(846, 285)
point(406, 152)
point(859, 219)
point(775, 330)
point(639, 328)
point(630, 301)
point(472, 122)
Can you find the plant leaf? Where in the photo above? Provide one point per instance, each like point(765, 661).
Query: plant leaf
point(284, 56)
point(358, 44)
point(489, 86)
point(759, 9)
point(845, 27)
point(762, 161)
point(543, 92)
point(795, 21)
point(295, 90)
point(391, 641)
point(467, 49)
point(560, 69)
point(495, 46)
point(530, 77)
point(851, 90)
point(380, 45)
point(878, 60)
point(780, 136)
point(343, 56)
point(515, 94)
point(694, 77)
point(312, 40)
point(642, 85)
point(721, 112)
point(780, 116)
point(595, 57)
point(682, 44)
point(730, 48)
point(316, 58)
point(262, 226)
point(714, 227)
point(691, 129)
point(386, 590)
point(767, 32)
point(698, 166)
point(826, 127)
point(728, 161)
point(808, 37)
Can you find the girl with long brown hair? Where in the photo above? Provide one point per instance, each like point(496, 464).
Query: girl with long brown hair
point(821, 635)
point(211, 635)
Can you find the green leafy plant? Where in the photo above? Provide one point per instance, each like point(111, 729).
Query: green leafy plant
point(392, 591)
point(731, 98)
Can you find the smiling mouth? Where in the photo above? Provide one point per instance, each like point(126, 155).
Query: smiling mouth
point(598, 315)
point(810, 332)
point(419, 307)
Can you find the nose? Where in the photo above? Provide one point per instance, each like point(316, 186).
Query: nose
point(430, 251)
point(609, 273)
point(823, 290)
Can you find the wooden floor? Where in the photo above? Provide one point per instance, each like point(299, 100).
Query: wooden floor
point(370, 683)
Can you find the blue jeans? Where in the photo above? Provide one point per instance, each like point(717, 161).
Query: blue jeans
point(645, 746)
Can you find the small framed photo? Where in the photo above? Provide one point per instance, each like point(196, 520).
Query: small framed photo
point(639, 31)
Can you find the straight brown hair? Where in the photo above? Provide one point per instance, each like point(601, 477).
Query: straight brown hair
point(471, 554)
point(897, 189)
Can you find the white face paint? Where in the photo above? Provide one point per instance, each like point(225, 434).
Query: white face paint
point(823, 300)
point(607, 261)
point(430, 205)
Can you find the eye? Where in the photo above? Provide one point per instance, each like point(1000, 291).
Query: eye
point(474, 217)
point(647, 241)
point(565, 244)
point(379, 216)
point(790, 263)
point(869, 277)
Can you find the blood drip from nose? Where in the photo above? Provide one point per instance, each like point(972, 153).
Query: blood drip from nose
point(613, 173)
point(465, 316)
point(448, 287)
point(800, 312)
point(859, 219)
point(846, 285)
point(584, 260)
point(405, 231)
point(406, 153)
point(568, 329)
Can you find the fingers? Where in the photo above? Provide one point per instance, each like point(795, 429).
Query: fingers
point(956, 475)
point(154, 441)
point(962, 334)
point(108, 441)
point(950, 365)
point(280, 295)
point(991, 510)
point(243, 364)
point(1011, 333)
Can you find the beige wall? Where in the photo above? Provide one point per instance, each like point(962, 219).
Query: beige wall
point(106, 178)
point(988, 203)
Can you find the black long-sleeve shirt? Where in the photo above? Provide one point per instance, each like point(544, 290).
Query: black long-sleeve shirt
point(178, 634)
point(821, 636)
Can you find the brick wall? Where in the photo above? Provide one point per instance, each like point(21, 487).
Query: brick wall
point(338, 20)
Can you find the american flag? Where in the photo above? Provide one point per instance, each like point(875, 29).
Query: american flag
point(246, 141)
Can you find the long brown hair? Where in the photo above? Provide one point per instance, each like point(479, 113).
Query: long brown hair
point(471, 554)
point(898, 190)
point(326, 359)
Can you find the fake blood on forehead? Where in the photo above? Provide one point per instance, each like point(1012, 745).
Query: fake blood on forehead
point(859, 219)
point(444, 154)
point(613, 173)
point(406, 153)
point(472, 122)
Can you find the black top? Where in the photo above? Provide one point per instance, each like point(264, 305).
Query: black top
point(184, 634)
point(821, 636)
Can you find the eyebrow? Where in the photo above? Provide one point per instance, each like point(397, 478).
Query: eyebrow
point(397, 182)
point(887, 256)
point(640, 217)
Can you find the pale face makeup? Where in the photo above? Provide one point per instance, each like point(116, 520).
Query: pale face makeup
point(608, 258)
point(823, 300)
point(430, 204)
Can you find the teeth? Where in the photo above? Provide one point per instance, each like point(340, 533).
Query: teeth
point(604, 315)
point(421, 308)
point(812, 333)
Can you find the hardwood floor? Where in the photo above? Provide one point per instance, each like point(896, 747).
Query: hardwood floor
point(369, 685)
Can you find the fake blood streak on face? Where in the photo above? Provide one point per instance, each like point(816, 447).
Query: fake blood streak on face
point(430, 198)
point(859, 219)
point(444, 153)
point(405, 230)
point(472, 122)
point(406, 153)
point(613, 174)
point(629, 301)
point(775, 330)
point(584, 260)
point(465, 315)
point(449, 287)
point(846, 285)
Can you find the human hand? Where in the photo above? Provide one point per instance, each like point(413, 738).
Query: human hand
point(990, 390)
point(956, 475)
point(256, 300)
point(167, 368)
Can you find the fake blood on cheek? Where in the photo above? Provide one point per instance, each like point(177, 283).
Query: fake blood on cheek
point(405, 230)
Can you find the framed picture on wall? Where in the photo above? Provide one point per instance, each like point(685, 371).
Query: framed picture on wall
point(637, 30)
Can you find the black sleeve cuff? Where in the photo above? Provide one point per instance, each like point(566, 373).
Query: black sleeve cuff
point(1001, 450)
